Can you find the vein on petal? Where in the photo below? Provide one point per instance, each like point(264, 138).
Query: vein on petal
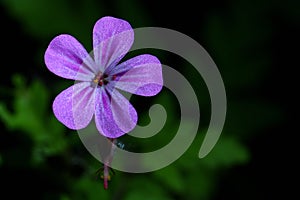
point(111, 39)
point(85, 94)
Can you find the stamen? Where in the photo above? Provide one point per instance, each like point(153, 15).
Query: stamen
point(100, 80)
point(105, 81)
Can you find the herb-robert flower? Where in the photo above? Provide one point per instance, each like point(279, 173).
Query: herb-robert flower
point(99, 75)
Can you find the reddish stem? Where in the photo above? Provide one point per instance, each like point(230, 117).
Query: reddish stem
point(107, 162)
point(105, 177)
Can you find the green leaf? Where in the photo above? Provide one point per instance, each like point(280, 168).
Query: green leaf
point(147, 190)
point(30, 115)
point(5, 116)
point(199, 183)
point(64, 197)
point(171, 178)
point(227, 152)
point(138, 195)
point(87, 188)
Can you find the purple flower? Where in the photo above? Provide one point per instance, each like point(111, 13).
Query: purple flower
point(97, 77)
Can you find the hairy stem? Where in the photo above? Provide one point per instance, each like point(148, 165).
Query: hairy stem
point(107, 163)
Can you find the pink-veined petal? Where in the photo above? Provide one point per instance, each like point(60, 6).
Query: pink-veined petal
point(74, 107)
point(114, 114)
point(112, 39)
point(141, 75)
point(67, 58)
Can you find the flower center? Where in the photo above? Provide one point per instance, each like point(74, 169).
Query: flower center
point(102, 79)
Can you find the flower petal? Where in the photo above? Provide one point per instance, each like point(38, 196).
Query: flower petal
point(141, 75)
point(112, 39)
point(114, 115)
point(67, 58)
point(74, 107)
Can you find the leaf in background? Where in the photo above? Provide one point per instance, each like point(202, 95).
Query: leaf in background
point(200, 175)
point(47, 18)
point(147, 190)
point(226, 153)
point(171, 178)
point(198, 182)
point(87, 188)
point(30, 115)
point(64, 197)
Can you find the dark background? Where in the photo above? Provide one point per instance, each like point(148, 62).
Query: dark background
point(253, 43)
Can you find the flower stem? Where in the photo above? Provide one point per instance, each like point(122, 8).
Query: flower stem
point(107, 162)
point(105, 177)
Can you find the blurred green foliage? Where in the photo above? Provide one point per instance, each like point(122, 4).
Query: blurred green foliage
point(57, 155)
point(47, 18)
point(30, 114)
